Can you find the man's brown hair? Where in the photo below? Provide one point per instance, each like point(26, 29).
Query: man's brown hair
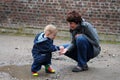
point(74, 16)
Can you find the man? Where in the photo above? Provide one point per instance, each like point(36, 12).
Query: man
point(85, 42)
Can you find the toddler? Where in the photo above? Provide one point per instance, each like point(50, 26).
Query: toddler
point(42, 49)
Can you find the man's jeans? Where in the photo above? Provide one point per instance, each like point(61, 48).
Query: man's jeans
point(82, 52)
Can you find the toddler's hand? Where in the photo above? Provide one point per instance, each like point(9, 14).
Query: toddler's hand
point(61, 49)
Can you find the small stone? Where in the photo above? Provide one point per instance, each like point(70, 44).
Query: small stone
point(108, 65)
point(113, 55)
point(91, 61)
point(109, 54)
point(16, 48)
point(101, 55)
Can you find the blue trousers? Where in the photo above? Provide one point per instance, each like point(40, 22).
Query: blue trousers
point(82, 52)
point(41, 60)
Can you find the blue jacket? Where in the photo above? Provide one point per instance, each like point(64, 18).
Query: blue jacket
point(43, 46)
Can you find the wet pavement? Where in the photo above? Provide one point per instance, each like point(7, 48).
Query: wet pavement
point(16, 60)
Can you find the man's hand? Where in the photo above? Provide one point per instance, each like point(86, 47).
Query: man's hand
point(77, 35)
point(62, 52)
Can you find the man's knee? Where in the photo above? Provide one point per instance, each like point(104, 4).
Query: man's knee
point(80, 39)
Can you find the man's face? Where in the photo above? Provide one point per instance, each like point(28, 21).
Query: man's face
point(72, 25)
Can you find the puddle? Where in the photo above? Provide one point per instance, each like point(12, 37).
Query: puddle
point(14, 72)
point(6, 76)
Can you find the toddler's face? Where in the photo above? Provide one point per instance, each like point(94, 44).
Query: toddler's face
point(52, 35)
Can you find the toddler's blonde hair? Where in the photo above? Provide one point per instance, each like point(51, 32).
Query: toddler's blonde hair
point(50, 28)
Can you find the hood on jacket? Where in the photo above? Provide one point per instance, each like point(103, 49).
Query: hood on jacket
point(40, 38)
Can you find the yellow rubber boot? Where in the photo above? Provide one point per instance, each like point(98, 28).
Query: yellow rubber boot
point(48, 69)
point(35, 74)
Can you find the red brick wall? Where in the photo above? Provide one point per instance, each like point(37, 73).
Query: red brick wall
point(104, 14)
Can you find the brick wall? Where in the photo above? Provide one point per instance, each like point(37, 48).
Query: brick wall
point(104, 14)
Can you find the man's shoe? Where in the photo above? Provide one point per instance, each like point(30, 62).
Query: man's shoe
point(85, 67)
point(79, 69)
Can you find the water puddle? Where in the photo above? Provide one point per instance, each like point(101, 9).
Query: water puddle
point(14, 72)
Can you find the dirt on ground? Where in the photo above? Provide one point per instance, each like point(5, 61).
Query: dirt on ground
point(16, 59)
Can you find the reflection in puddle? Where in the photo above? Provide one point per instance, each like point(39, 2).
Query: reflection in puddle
point(22, 72)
